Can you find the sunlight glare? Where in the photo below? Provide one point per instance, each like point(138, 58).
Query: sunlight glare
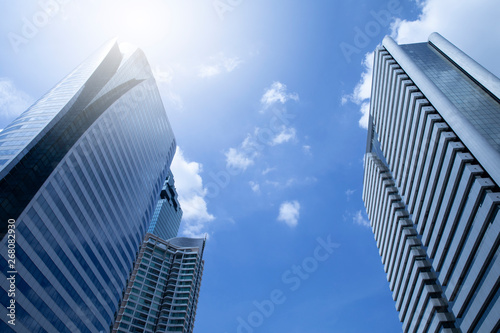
point(142, 23)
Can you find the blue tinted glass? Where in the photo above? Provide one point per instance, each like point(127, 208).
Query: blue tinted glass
point(474, 103)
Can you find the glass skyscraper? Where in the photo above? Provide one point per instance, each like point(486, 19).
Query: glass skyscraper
point(432, 170)
point(168, 213)
point(162, 294)
point(80, 173)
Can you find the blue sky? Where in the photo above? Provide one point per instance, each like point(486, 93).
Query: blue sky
point(266, 99)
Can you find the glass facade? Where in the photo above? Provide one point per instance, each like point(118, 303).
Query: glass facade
point(162, 294)
point(480, 107)
point(32, 125)
point(82, 190)
point(168, 213)
point(433, 207)
point(60, 118)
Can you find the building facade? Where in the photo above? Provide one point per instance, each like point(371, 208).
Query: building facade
point(164, 285)
point(432, 170)
point(162, 294)
point(168, 213)
point(80, 174)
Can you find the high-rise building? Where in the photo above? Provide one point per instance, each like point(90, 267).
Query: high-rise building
point(168, 213)
point(162, 294)
point(163, 289)
point(432, 170)
point(80, 174)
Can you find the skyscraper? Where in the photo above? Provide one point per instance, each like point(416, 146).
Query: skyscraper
point(80, 174)
point(162, 294)
point(432, 169)
point(168, 213)
point(163, 289)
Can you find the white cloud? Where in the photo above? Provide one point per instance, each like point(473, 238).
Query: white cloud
point(189, 185)
point(306, 149)
point(300, 181)
point(219, 64)
point(286, 134)
point(164, 78)
point(362, 91)
point(289, 213)
point(238, 159)
point(231, 63)
point(344, 99)
point(249, 143)
point(349, 193)
point(267, 170)
point(365, 111)
point(244, 155)
point(208, 71)
point(360, 220)
point(12, 100)
point(277, 93)
point(467, 24)
point(460, 19)
point(196, 216)
point(254, 186)
point(464, 23)
point(272, 183)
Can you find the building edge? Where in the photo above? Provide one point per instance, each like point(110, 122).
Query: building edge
point(487, 156)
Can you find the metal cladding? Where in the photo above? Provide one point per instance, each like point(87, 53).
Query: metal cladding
point(431, 185)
